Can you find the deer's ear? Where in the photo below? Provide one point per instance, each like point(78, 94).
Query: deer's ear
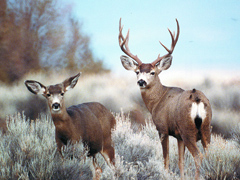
point(71, 82)
point(35, 87)
point(164, 63)
point(128, 63)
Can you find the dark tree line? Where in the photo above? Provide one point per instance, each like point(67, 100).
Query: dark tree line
point(35, 35)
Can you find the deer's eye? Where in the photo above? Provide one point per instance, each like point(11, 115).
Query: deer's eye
point(137, 72)
point(48, 94)
point(62, 94)
point(152, 73)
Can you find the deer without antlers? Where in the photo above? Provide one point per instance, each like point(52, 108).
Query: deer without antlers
point(185, 115)
point(90, 122)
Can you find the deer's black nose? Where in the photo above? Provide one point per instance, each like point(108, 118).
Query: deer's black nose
point(142, 83)
point(56, 106)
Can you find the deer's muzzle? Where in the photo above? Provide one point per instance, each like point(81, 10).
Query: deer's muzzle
point(56, 107)
point(142, 83)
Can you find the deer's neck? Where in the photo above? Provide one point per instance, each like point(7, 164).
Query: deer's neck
point(60, 118)
point(153, 95)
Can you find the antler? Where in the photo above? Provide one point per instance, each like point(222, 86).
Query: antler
point(174, 42)
point(124, 42)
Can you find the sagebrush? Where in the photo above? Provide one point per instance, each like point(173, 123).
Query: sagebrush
point(28, 151)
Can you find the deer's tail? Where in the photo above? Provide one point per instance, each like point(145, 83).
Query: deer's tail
point(198, 111)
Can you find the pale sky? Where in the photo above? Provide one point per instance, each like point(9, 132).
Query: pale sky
point(209, 30)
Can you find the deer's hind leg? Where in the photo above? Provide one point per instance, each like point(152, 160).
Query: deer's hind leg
point(181, 152)
point(108, 152)
point(96, 171)
point(205, 135)
point(197, 155)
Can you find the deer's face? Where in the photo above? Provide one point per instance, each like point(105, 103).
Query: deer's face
point(147, 74)
point(53, 93)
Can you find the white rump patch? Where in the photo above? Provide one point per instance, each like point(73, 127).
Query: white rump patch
point(198, 110)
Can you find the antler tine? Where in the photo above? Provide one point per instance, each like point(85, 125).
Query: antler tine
point(172, 36)
point(120, 32)
point(174, 42)
point(178, 31)
point(124, 42)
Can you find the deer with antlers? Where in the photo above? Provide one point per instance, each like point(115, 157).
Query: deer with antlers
point(183, 114)
point(89, 122)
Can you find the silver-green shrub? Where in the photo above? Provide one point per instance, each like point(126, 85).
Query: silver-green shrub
point(222, 160)
point(28, 151)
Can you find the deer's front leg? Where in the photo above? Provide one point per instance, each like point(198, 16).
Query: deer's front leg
point(59, 146)
point(165, 147)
